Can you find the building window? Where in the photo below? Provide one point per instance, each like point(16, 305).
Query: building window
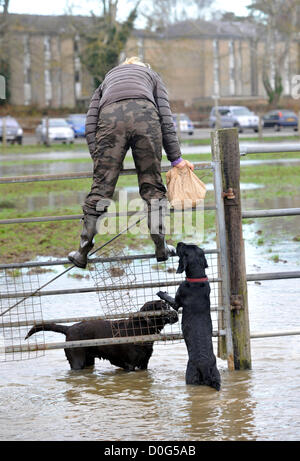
point(272, 64)
point(140, 44)
point(286, 76)
point(77, 67)
point(231, 68)
point(47, 70)
point(216, 68)
point(27, 71)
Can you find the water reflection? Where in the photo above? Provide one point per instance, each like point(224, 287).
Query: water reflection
point(23, 169)
point(165, 408)
point(225, 415)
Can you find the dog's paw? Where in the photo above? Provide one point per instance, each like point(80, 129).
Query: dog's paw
point(161, 294)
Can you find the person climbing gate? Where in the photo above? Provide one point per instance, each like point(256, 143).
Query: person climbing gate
point(130, 109)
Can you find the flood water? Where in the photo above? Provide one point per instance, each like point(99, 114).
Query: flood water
point(42, 399)
point(24, 164)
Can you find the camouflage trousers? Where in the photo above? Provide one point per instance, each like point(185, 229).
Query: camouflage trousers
point(135, 124)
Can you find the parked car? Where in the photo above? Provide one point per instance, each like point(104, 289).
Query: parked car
point(234, 116)
point(186, 125)
point(14, 132)
point(77, 122)
point(280, 118)
point(58, 130)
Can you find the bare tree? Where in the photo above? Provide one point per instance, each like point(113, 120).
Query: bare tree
point(106, 38)
point(279, 18)
point(161, 13)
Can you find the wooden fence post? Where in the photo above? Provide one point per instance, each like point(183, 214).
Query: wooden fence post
point(228, 142)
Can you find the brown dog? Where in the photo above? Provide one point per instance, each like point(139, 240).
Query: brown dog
point(127, 356)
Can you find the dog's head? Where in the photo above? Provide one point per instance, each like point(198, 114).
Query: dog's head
point(167, 315)
point(190, 257)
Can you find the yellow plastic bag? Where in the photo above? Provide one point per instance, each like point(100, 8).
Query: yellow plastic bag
point(185, 189)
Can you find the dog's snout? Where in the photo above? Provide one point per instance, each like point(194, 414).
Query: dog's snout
point(173, 317)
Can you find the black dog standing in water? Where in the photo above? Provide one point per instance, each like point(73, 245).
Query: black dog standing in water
point(193, 295)
point(127, 356)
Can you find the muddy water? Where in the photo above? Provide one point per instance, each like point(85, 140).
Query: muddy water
point(22, 165)
point(43, 400)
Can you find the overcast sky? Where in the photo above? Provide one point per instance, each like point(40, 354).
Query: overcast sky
point(84, 7)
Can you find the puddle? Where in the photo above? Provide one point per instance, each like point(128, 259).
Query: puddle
point(24, 169)
point(269, 231)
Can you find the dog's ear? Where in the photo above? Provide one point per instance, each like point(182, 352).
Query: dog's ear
point(182, 264)
point(204, 261)
point(202, 258)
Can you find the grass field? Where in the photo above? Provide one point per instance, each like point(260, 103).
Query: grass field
point(26, 241)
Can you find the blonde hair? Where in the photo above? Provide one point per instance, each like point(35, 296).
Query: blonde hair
point(134, 60)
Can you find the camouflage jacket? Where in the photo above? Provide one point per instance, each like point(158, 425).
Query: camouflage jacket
point(132, 81)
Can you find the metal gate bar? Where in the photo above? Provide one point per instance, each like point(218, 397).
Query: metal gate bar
point(222, 246)
point(83, 175)
point(250, 278)
point(96, 342)
point(139, 314)
point(277, 148)
point(78, 217)
point(128, 340)
point(271, 213)
point(245, 214)
point(59, 262)
point(96, 289)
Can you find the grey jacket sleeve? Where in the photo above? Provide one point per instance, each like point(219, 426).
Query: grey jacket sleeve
point(92, 120)
point(169, 136)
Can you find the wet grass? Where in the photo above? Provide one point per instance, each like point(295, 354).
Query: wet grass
point(40, 148)
point(26, 241)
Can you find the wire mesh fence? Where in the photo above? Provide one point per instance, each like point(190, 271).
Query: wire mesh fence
point(130, 286)
point(15, 322)
point(126, 290)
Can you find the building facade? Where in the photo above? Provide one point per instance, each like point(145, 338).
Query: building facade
point(198, 60)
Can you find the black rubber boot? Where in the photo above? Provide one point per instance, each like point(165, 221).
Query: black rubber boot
point(156, 223)
point(79, 258)
point(162, 250)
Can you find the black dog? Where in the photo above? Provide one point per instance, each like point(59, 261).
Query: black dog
point(127, 356)
point(194, 296)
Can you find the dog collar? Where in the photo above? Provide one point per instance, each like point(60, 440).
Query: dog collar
point(204, 279)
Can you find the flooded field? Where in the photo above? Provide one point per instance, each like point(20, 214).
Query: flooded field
point(43, 400)
point(57, 162)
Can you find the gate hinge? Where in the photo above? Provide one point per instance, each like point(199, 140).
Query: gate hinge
point(236, 302)
point(229, 194)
